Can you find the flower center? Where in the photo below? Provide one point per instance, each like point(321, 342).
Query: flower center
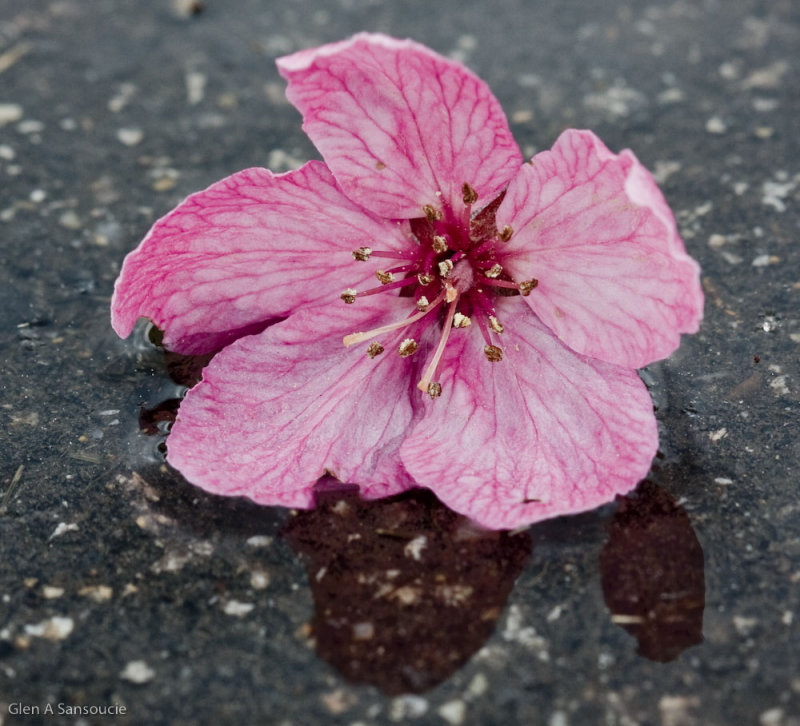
point(452, 274)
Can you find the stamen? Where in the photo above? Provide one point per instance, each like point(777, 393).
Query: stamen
point(362, 254)
point(461, 321)
point(493, 353)
point(349, 295)
point(424, 384)
point(388, 286)
point(374, 349)
point(501, 283)
point(528, 285)
point(349, 340)
point(408, 347)
point(434, 389)
point(390, 255)
point(431, 213)
point(494, 271)
point(469, 195)
point(384, 277)
point(439, 244)
point(495, 324)
point(425, 279)
point(506, 233)
point(422, 303)
point(445, 268)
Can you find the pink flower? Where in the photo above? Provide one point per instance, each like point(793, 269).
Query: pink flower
point(492, 360)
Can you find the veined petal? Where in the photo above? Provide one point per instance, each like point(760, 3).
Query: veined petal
point(541, 433)
point(275, 410)
point(400, 126)
point(250, 248)
point(592, 227)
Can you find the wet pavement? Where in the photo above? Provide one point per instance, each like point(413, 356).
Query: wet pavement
point(126, 590)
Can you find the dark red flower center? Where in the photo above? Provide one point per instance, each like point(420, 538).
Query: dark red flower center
point(453, 268)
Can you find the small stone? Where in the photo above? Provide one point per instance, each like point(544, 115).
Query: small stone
point(130, 136)
point(55, 628)
point(10, 112)
point(97, 593)
point(137, 671)
point(259, 580)
point(715, 125)
point(771, 717)
point(70, 220)
point(7, 153)
point(51, 593)
point(31, 126)
point(405, 707)
point(259, 540)
point(195, 87)
point(63, 528)
point(38, 195)
point(453, 712)
point(237, 609)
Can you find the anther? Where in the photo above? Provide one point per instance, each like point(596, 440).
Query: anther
point(408, 347)
point(422, 303)
point(434, 389)
point(506, 233)
point(349, 295)
point(493, 353)
point(445, 268)
point(495, 324)
point(526, 286)
point(461, 321)
point(424, 278)
point(469, 195)
point(439, 244)
point(374, 349)
point(494, 271)
point(362, 254)
point(384, 277)
point(431, 213)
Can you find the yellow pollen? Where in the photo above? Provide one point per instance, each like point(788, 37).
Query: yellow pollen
point(374, 349)
point(422, 303)
point(424, 279)
point(445, 268)
point(468, 194)
point(434, 389)
point(494, 271)
point(495, 324)
point(526, 286)
point(408, 347)
point(461, 321)
point(450, 292)
point(431, 213)
point(439, 244)
point(349, 295)
point(493, 353)
point(506, 233)
point(384, 277)
point(362, 254)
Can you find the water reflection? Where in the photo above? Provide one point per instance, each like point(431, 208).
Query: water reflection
point(405, 590)
point(652, 573)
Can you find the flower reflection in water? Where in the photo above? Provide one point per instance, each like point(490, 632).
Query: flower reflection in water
point(405, 590)
point(652, 573)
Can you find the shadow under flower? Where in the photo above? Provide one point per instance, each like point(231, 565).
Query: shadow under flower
point(405, 590)
point(652, 573)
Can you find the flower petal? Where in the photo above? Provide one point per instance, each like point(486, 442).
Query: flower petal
point(592, 227)
point(543, 432)
point(400, 126)
point(275, 410)
point(250, 248)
